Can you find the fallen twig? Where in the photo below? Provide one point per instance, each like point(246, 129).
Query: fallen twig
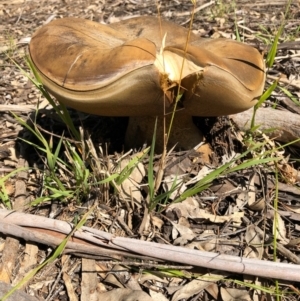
point(24, 226)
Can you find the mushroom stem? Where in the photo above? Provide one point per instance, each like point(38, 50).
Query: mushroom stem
point(184, 134)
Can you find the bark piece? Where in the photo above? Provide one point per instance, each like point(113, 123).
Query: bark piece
point(29, 261)
point(89, 280)
point(8, 259)
point(286, 125)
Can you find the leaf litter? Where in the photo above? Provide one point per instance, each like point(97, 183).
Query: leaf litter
point(234, 216)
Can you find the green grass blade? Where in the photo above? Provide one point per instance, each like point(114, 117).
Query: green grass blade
point(127, 170)
point(267, 93)
point(237, 33)
point(290, 95)
point(272, 52)
point(225, 169)
point(151, 181)
point(164, 196)
point(262, 99)
point(60, 110)
point(109, 179)
point(3, 194)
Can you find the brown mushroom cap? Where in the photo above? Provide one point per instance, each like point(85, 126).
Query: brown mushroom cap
point(232, 79)
point(93, 68)
point(153, 29)
point(84, 55)
point(134, 67)
point(121, 70)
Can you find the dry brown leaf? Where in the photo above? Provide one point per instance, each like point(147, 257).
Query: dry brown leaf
point(249, 197)
point(292, 208)
point(184, 207)
point(117, 277)
point(190, 209)
point(213, 290)
point(157, 296)
point(258, 205)
point(124, 294)
point(168, 183)
point(134, 282)
point(279, 229)
point(255, 239)
point(185, 234)
point(157, 222)
point(224, 188)
point(130, 186)
point(205, 170)
point(234, 294)
point(196, 286)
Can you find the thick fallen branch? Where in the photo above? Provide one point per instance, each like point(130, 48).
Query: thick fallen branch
point(91, 241)
point(286, 124)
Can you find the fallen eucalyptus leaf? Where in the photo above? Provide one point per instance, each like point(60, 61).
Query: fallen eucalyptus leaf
point(234, 294)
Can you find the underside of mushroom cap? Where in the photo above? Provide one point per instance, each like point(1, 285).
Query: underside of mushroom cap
point(131, 95)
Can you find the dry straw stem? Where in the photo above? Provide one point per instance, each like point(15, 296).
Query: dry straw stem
point(91, 241)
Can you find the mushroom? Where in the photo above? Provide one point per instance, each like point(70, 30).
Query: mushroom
point(135, 68)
